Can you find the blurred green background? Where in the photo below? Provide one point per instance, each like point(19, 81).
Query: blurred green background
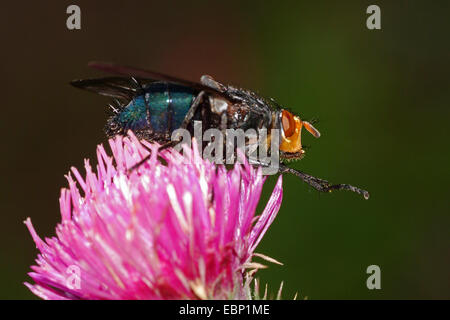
point(382, 98)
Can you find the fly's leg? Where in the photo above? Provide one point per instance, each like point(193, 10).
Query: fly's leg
point(317, 183)
point(323, 185)
point(184, 124)
point(190, 114)
point(164, 146)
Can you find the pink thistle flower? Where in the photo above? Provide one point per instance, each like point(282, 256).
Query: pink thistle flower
point(180, 230)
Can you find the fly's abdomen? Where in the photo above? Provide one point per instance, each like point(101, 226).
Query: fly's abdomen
point(181, 101)
point(134, 115)
point(160, 109)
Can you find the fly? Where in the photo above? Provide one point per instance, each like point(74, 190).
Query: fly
point(153, 105)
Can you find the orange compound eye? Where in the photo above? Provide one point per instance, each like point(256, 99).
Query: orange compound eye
point(287, 120)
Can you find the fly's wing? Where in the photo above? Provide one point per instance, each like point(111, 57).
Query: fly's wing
point(115, 87)
point(147, 76)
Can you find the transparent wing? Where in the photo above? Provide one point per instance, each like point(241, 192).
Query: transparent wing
point(115, 87)
point(146, 75)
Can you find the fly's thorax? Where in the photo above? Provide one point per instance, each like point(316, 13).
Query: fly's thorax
point(248, 110)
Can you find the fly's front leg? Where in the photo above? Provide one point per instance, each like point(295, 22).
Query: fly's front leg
point(323, 185)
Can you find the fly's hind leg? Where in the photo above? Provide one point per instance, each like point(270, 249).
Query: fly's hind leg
point(190, 114)
point(323, 185)
point(184, 124)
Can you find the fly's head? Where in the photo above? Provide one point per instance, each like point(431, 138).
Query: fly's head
point(290, 134)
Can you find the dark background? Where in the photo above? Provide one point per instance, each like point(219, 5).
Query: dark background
point(382, 98)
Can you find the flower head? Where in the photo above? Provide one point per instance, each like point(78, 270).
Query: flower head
point(172, 229)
